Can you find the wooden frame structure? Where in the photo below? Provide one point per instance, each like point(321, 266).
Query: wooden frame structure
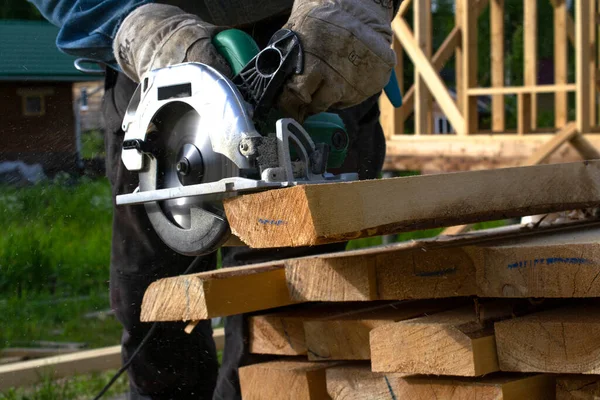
point(471, 147)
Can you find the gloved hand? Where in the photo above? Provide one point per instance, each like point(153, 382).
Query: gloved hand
point(158, 35)
point(347, 54)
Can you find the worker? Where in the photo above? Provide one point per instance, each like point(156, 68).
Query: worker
point(348, 60)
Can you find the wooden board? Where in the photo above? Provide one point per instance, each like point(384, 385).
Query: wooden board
point(345, 335)
point(291, 380)
point(33, 352)
point(30, 372)
point(449, 343)
point(316, 214)
point(357, 382)
point(577, 387)
point(563, 264)
point(216, 293)
point(395, 272)
point(565, 340)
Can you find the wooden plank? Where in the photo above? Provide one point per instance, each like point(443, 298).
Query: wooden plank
point(593, 22)
point(577, 387)
point(562, 136)
point(585, 148)
point(316, 214)
point(530, 67)
point(84, 362)
point(423, 105)
point(357, 382)
point(560, 61)
point(454, 342)
point(428, 74)
point(439, 59)
point(469, 67)
point(524, 113)
point(484, 91)
point(29, 353)
point(566, 340)
point(28, 373)
point(292, 380)
point(401, 272)
point(345, 336)
point(497, 54)
point(404, 7)
point(582, 66)
point(208, 294)
point(558, 265)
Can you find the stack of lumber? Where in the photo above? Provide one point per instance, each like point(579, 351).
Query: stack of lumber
point(506, 313)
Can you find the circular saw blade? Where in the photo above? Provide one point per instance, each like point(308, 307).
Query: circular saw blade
point(186, 157)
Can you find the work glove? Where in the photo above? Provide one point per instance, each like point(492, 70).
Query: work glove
point(347, 54)
point(158, 35)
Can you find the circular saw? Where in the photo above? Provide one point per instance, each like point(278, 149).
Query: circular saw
point(196, 137)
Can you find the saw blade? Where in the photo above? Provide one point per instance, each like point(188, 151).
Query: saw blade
point(186, 157)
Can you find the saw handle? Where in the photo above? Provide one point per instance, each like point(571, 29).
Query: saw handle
point(239, 49)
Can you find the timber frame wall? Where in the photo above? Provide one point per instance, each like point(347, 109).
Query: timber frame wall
point(470, 147)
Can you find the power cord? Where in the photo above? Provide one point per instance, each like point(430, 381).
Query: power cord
point(147, 338)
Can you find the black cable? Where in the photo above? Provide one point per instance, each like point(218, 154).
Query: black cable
point(147, 338)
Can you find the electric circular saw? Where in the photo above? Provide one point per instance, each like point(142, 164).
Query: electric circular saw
point(196, 137)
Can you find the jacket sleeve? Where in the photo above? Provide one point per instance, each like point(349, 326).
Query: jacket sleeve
point(87, 27)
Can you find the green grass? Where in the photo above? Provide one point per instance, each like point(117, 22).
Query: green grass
point(74, 388)
point(45, 318)
point(56, 238)
point(92, 144)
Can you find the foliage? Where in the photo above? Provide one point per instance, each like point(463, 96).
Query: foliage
point(18, 9)
point(56, 237)
point(92, 144)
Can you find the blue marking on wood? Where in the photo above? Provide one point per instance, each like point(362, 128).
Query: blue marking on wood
point(548, 261)
point(390, 388)
point(441, 272)
point(276, 222)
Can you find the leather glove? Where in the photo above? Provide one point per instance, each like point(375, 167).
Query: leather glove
point(347, 54)
point(158, 35)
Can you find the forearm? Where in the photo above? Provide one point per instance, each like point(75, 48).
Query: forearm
point(87, 28)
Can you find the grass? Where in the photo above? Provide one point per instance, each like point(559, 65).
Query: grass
point(56, 238)
point(74, 388)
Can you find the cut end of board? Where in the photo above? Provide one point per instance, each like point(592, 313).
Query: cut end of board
point(190, 304)
point(273, 218)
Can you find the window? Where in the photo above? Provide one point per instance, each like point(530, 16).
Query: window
point(33, 100)
point(33, 105)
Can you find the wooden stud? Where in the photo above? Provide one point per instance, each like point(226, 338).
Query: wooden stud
point(522, 89)
point(593, 68)
point(458, 54)
point(561, 137)
point(293, 380)
point(428, 74)
point(392, 119)
point(454, 342)
point(423, 105)
point(530, 72)
point(582, 65)
point(497, 54)
point(357, 382)
point(524, 113)
point(469, 67)
point(565, 340)
point(318, 214)
point(560, 62)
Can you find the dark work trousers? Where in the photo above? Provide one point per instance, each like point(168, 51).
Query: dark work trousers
point(173, 364)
